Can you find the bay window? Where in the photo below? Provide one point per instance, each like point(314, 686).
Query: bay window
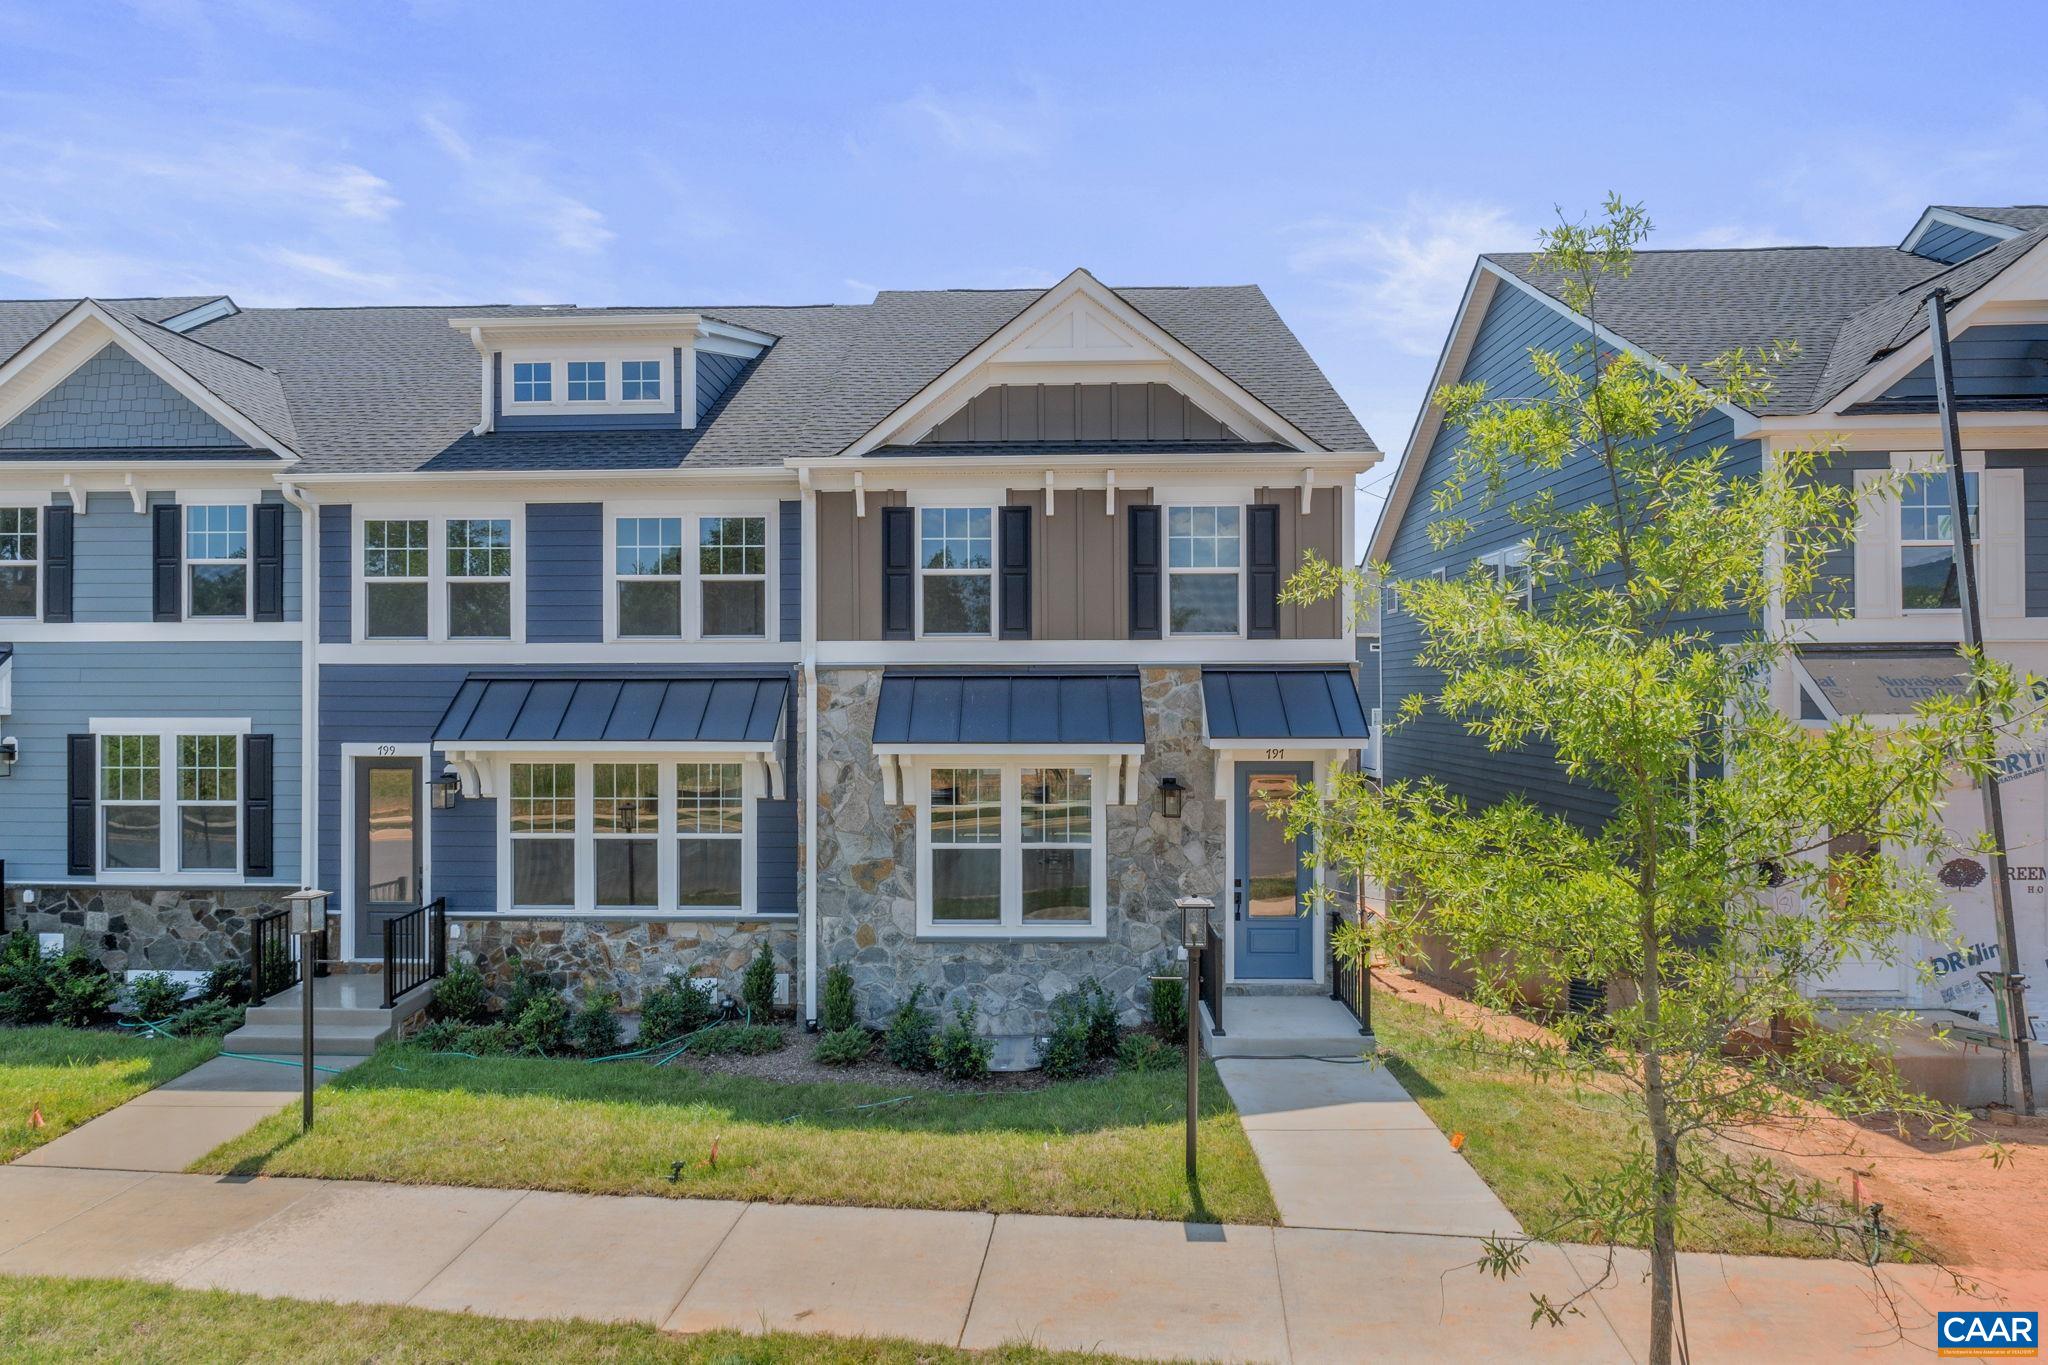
point(216, 560)
point(395, 571)
point(188, 819)
point(710, 823)
point(20, 559)
point(1012, 848)
point(956, 571)
point(1203, 563)
point(625, 824)
point(543, 831)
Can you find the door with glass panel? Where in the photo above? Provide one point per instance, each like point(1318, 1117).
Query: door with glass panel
point(1275, 932)
point(387, 853)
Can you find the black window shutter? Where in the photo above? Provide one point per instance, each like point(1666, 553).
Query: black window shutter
point(269, 548)
point(168, 562)
point(1262, 591)
point(81, 776)
point(1144, 562)
point(1016, 573)
point(257, 806)
point(899, 574)
point(57, 562)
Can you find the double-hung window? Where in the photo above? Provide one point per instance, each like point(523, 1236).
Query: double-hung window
point(956, 570)
point(1928, 573)
point(533, 381)
point(217, 560)
point(20, 559)
point(639, 381)
point(649, 575)
point(1510, 569)
point(625, 831)
point(395, 570)
point(1203, 570)
point(710, 823)
point(586, 381)
point(732, 575)
point(479, 567)
point(1012, 848)
point(543, 833)
point(186, 820)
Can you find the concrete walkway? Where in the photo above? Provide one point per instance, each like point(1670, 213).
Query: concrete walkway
point(971, 1279)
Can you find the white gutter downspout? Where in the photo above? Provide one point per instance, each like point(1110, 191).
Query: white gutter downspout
point(483, 426)
point(809, 632)
point(309, 681)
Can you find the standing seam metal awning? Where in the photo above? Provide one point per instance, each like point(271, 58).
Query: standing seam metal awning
point(1084, 709)
point(1245, 707)
point(500, 709)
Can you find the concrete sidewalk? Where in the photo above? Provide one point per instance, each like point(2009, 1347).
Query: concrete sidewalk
point(972, 1279)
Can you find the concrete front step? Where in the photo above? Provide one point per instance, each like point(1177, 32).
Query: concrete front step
point(349, 1017)
point(1283, 1026)
point(1271, 988)
point(344, 1040)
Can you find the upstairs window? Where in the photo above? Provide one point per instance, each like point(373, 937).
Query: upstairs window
point(649, 573)
point(479, 566)
point(20, 558)
point(533, 381)
point(217, 561)
point(956, 570)
point(732, 575)
point(1928, 573)
point(395, 570)
point(1203, 549)
point(586, 381)
point(639, 381)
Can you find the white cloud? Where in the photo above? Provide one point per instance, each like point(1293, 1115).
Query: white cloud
point(1402, 274)
point(500, 174)
point(981, 126)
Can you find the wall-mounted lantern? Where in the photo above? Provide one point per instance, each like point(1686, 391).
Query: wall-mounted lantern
point(1170, 792)
point(10, 754)
point(447, 787)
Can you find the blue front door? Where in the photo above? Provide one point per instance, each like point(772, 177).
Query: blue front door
point(1275, 933)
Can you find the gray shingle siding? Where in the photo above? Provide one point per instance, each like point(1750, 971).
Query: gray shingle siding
point(2034, 464)
point(113, 401)
point(337, 585)
point(564, 572)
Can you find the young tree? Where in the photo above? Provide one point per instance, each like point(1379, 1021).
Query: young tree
point(1745, 856)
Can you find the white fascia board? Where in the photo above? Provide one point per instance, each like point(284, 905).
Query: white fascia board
point(724, 338)
point(835, 472)
point(1934, 217)
point(749, 748)
point(1077, 281)
point(245, 429)
point(395, 481)
point(991, 749)
point(571, 322)
point(1257, 747)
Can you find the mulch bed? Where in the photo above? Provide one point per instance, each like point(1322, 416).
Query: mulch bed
point(794, 1062)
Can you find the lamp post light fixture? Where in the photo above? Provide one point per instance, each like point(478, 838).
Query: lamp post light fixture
point(309, 922)
point(1170, 793)
point(1194, 937)
point(446, 788)
point(10, 754)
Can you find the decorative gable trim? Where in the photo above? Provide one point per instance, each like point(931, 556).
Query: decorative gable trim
point(83, 333)
point(1080, 330)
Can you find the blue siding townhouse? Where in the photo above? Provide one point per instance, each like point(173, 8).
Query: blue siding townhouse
point(937, 636)
point(1863, 374)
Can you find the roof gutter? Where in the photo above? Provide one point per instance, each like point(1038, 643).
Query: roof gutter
point(1353, 461)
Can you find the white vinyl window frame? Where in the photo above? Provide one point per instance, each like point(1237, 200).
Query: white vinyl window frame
point(1509, 568)
point(642, 822)
point(559, 357)
point(706, 577)
point(437, 578)
point(457, 562)
point(195, 533)
point(645, 371)
point(1168, 572)
point(1926, 494)
point(167, 799)
point(943, 504)
point(22, 529)
point(753, 788)
point(690, 515)
point(1011, 924)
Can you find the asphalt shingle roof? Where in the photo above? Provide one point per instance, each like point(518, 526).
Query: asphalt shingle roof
point(396, 388)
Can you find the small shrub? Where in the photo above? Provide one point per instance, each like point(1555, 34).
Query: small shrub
point(227, 981)
point(838, 1015)
point(81, 990)
point(1066, 1052)
point(155, 997)
point(485, 1040)
point(748, 1040)
point(526, 988)
point(845, 1047)
point(461, 995)
point(440, 1035)
point(673, 1010)
point(25, 992)
point(595, 1032)
point(1140, 1052)
point(208, 1018)
point(960, 1052)
point(757, 987)
point(1087, 1012)
point(1170, 1006)
point(542, 1027)
point(909, 1039)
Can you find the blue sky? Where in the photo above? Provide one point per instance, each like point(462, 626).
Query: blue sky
point(1352, 159)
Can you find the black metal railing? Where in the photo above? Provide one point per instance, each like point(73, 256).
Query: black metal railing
point(1209, 977)
point(1350, 986)
point(415, 949)
point(273, 961)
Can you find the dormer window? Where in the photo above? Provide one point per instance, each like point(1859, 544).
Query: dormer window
point(640, 381)
point(533, 381)
point(586, 381)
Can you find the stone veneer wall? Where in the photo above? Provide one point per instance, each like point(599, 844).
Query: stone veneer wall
point(147, 928)
point(628, 956)
point(867, 857)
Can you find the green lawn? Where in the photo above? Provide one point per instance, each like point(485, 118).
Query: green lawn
point(1526, 1137)
point(75, 1074)
point(122, 1320)
point(1108, 1147)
